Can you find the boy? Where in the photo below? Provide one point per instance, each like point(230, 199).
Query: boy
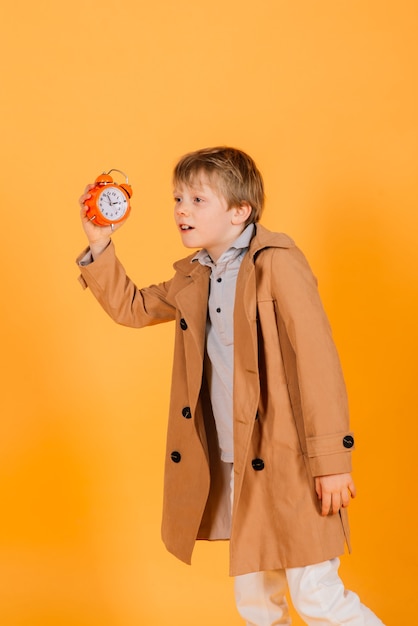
point(258, 445)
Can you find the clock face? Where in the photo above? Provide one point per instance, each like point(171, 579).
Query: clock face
point(112, 203)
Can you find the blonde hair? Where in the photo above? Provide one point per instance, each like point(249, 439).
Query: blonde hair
point(232, 171)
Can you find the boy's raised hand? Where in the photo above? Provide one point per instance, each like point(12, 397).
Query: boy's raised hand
point(98, 236)
point(335, 492)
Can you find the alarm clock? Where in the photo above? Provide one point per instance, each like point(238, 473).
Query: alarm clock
point(109, 201)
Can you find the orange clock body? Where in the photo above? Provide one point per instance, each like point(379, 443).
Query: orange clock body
point(109, 202)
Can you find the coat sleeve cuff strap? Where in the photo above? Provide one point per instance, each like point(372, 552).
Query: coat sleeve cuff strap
point(330, 454)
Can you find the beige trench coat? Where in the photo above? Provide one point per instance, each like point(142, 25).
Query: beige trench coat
point(290, 407)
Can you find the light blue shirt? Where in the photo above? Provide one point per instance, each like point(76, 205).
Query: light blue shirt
point(220, 336)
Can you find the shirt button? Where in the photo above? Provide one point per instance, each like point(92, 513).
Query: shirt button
point(218, 310)
point(219, 280)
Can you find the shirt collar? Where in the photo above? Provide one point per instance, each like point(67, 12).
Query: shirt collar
point(240, 244)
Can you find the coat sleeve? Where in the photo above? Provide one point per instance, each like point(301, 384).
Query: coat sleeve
point(119, 296)
point(315, 379)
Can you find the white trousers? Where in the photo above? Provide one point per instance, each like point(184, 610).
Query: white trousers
point(317, 594)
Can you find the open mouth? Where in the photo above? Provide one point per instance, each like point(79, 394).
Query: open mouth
point(185, 227)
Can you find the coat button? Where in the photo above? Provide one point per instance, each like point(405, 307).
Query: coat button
point(186, 412)
point(183, 324)
point(258, 464)
point(175, 457)
point(348, 441)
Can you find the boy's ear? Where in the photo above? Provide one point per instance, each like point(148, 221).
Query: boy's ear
point(241, 213)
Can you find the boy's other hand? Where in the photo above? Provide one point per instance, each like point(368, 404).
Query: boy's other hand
point(335, 492)
point(98, 236)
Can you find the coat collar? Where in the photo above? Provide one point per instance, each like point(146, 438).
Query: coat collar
point(263, 238)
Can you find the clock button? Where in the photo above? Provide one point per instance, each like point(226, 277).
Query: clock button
point(183, 324)
point(175, 456)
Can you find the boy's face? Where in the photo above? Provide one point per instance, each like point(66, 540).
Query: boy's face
point(203, 219)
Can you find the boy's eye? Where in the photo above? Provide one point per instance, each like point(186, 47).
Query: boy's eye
point(177, 200)
point(198, 200)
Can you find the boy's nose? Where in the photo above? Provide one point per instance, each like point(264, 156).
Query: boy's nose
point(181, 209)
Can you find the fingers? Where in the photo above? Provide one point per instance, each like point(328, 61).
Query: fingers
point(83, 212)
point(86, 195)
point(326, 504)
point(318, 488)
point(352, 489)
point(331, 503)
point(334, 492)
point(345, 498)
point(83, 199)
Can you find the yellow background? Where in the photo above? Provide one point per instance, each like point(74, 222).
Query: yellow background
point(324, 96)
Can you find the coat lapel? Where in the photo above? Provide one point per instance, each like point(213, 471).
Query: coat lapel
point(246, 371)
point(192, 303)
point(246, 377)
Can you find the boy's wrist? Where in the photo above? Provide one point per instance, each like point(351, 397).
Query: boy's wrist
point(97, 248)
